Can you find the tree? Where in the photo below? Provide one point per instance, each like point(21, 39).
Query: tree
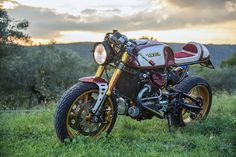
point(11, 38)
point(148, 38)
point(11, 32)
point(31, 75)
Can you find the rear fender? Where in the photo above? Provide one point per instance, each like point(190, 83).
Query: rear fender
point(208, 64)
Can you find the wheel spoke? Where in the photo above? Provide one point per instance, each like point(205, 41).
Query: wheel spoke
point(200, 93)
point(195, 92)
point(80, 114)
point(86, 97)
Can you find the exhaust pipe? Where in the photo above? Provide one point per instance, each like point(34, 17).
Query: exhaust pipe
point(147, 88)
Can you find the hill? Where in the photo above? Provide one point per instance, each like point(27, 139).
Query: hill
point(218, 52)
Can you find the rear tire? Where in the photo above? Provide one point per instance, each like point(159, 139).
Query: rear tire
point(64, 108)
point(204, 92)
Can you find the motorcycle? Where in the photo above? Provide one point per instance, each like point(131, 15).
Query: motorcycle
point(149, 80)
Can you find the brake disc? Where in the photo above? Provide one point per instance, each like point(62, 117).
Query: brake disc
point(87, 123)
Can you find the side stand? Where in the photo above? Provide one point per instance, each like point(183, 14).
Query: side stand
point(170, 123)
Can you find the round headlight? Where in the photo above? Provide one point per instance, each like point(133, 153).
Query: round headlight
point(100, 54)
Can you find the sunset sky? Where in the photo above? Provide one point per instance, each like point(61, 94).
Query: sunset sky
point(205, 21)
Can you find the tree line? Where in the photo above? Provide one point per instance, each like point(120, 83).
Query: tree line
point(36, 74)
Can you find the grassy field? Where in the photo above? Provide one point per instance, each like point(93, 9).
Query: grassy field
point(32, 134)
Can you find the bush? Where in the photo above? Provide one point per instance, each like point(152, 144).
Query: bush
point(38, 73)
point(229, 62)
point(221, 79)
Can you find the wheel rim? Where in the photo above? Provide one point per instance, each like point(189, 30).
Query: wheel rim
point(200, 93)
point(79, 119)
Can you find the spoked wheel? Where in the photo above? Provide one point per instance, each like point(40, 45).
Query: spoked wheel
point(201, 94)
point(199, 89)
point(73, 116)
point(81, 120)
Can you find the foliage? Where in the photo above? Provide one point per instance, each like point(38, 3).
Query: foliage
point(11, 29)
point(11, 33)
point(42, 72)
point(33, 134)
point(31, 74)
point(221, 78)
point(229, 62)
point(148, 38)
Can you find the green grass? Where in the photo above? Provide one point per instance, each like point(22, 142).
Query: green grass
point(32, 134)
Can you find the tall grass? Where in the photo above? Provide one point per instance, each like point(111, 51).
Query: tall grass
point(32, 134)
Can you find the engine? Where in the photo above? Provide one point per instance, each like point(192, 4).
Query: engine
point(128, 85)
point(138, 103)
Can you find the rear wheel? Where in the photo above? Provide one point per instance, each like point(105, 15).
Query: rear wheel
point(199, 89)
point(73, 116)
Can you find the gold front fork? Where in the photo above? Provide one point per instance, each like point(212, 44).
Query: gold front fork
point(112, 82)
point(116, 74)
point(100, 71)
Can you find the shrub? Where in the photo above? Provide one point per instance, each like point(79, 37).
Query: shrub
point(229, 62)
point(221, 79)
point(38, 74)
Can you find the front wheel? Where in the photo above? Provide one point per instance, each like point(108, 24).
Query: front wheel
point(199, 89)
point(73, 116)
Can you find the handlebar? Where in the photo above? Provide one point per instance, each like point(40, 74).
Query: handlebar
point(122, 41)
point(119, 38)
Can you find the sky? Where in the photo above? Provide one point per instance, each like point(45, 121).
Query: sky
point(204, 21)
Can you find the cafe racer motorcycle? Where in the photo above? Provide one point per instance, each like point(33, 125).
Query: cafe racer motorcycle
point(149, 80)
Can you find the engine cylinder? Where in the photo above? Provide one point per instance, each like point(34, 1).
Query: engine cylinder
point(158, 80)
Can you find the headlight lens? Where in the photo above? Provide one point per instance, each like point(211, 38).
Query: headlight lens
point(100, 54)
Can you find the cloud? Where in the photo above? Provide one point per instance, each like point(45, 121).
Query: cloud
point(202, 5)
point(114, 10)
point(12, 1)
point(198, 3)
point(230, 6)
point(47, 23)
point(89, 11)
point(44, 22)
point(1, 1)
point(96, 12)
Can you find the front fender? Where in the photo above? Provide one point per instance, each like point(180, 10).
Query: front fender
point(93, 79)
point(102, 86)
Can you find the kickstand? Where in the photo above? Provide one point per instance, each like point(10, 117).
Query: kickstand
point(170, 123)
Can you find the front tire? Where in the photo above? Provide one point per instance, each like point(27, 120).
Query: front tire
point(73, 117)
point(198, 88)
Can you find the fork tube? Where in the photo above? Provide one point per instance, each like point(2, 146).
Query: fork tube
point(117, 74)
point(100, 71)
